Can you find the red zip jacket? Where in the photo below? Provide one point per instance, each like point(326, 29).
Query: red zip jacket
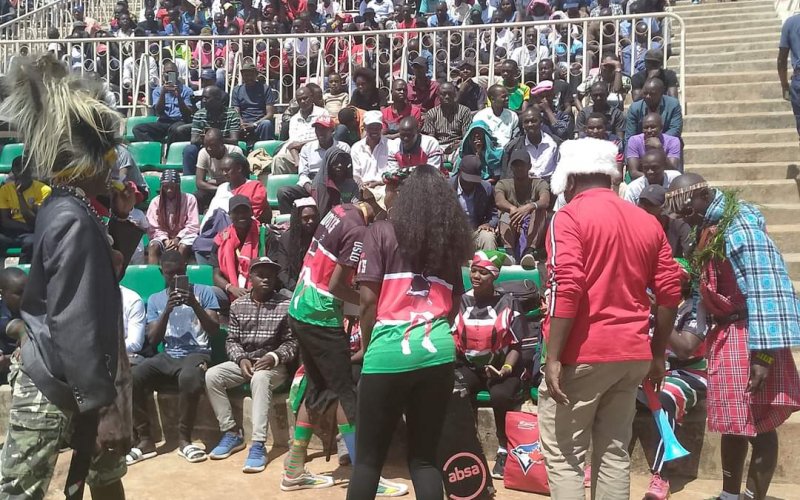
point(603, 256)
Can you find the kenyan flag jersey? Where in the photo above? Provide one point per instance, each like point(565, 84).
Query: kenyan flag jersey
point(338, 240)
point(411, 329)
point(484, 332)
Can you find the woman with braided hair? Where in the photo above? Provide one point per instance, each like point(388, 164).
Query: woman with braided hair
point(72, 380)
point(173, 218)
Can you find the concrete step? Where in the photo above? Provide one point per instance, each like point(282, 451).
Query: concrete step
point(707, 9)
point(726, 47)
point(761, 191)
point(780, 213)
point(745, 171)
point(769, 77)
point(738, 106)
point(735, 66)
point(733, 37)
point(694, 20)
point(787, 237)
point(763, 136)
point(792, 261)
point(731, 91)
point(711, 31)
point(721, 24)
point(742, 153)
point(738, 121)
point(693, 59)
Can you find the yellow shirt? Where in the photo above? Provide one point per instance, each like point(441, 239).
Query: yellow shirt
point(34, 195)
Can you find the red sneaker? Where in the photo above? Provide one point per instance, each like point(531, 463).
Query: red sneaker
point(658, 489)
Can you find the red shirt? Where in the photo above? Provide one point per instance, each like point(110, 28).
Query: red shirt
point(426, 98)
point(603, 255)
point(391, 117)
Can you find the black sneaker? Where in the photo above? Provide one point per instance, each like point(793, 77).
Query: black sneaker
point(499, 465)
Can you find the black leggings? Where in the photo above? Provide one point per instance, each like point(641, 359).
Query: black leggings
point(504, 395)
point(382, 399)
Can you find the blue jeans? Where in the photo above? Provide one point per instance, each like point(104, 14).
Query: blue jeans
point(190, 159)
point(265, 131)
point(794, 91)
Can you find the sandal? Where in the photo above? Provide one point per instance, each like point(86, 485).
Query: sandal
point(193, 453)
point(136, 455)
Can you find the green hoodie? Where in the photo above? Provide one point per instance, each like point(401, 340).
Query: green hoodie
point(491, 164)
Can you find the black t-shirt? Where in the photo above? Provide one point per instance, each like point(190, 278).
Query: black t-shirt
point(668, 76)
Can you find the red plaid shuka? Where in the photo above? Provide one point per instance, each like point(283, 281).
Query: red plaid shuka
point(731, 410)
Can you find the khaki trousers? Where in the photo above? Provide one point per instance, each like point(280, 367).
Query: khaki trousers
point(602, 405)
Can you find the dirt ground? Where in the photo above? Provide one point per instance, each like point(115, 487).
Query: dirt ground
point(170, 477)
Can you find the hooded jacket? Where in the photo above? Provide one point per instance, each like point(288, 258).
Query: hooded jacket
point(328, 193)
point(491, 165)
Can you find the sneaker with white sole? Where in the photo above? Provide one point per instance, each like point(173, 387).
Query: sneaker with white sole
point(305, 481)
point(341, 451)
point(658, 488)
point(230, 443)
point(256, 458)
point(499, 465)
point(390, 489)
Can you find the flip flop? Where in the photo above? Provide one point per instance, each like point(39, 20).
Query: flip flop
point(192, 453)
point(136, 455)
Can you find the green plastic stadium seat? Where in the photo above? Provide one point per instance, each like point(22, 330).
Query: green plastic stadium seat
point(482, 397)
point(507, 273)
point(8, 154)
point(243, 147)
point(200, 274)
point(154, 186)
point(275, 182)
point(271, 147)
point(174, 159)
point(136, 120)
point(188, 184)
point(24, 267)
point(144, 280)
point(281, 218)
point(147, 155)
point(13, 252)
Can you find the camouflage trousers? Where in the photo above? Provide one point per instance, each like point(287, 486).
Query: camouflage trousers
point(37, 430)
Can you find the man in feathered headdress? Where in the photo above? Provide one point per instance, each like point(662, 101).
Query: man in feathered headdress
point(602, 258)
point(744, 288)
point(71, 381)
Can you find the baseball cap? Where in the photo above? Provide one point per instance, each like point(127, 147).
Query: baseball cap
point(656, 55)
point(369, 10)
point(470, 169)
point(227, 6)
point(248, 66)
point(420, 61)
point(264, 261)
point(655, 194)
point(208, 74)
point(467, 61)
point(239, 201)
point(520, 155)
point(324, 121)
point(373, 117)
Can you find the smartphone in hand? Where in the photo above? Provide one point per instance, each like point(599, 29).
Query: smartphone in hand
point(181, 283)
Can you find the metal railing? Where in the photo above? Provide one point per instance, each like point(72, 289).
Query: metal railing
point(34, 23)
point(133, 66)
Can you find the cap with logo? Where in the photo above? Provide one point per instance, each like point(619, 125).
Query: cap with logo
point(264, 261)
point(325, 121)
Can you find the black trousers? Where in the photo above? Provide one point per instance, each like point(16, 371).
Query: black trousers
point(326, 358)
point(17, 239)
point(287, 196)
point(162, 131)
point(504, 395)
point(162, 370)
point(422, 395)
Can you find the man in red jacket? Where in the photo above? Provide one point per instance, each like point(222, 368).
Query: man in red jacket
point(603, 257)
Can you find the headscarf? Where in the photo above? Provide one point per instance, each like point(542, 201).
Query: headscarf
point(491, 159)
point(491, 260)
point(325, 191)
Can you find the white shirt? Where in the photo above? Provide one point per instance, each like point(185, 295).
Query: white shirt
point(329, 11)
point(382, 10)
point(543, 156)
point(130, 72)
point(220, 201)
point(526, 58)
point(503, 127)
point(370, 164)
point(429, 145)
point(302, 129)
point(307, 47)
point(140, 220)
point(133, 314)
point(312, 157)
point(212, 165)
point(459, 13)
point(636, 187)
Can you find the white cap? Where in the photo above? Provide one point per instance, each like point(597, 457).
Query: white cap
point(584, 157)
point(371, 117)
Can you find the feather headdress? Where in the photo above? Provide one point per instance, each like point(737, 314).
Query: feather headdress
point(68, 131)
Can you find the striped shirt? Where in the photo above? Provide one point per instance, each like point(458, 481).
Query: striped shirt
point(448, 130)
point(257, 328)
point(227, 123)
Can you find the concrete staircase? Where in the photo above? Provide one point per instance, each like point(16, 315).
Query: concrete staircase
point(739, 133)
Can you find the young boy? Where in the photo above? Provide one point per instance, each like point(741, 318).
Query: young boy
point(518, 93)
point(336, 97)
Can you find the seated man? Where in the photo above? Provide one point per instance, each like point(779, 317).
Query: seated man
point(470, 93)
point(133, 317)
point(412, 148)
point(654, 101)
point(12, 286)
point(254, 100)
point(183, 316)
point(448, 122)
point(20, 199)
point(654, 68)
point(399, 109)
point(214, 114)
point(503, 122)
point(301, 132)
point(596, 128)
point(654, 167)
point(614, 116)
point(422, 91)
point(172, 104)
point(312, 157)
point(477, 199)
point(371, 154)
point(523, 202)
point(259, 346)
point(233, 250)
point(540, 147)
point(208, 175)
point(652, 135)
point(679, 233)
point(518, 93)
point(560, 123)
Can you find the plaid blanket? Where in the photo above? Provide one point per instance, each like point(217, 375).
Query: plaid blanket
point(772, 307)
